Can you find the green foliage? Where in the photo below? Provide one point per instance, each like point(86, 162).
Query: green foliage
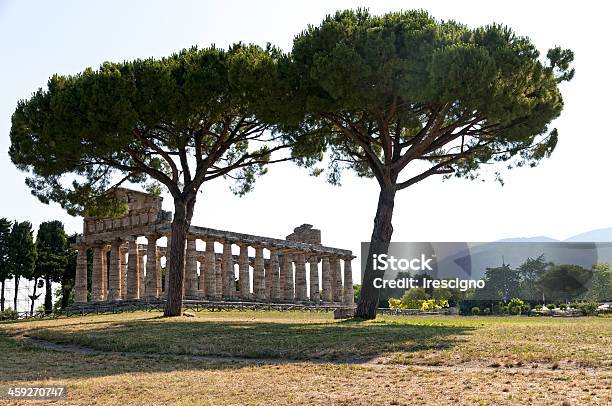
point(475, 310)
point(516, 306)
point(21, 250)
point(565, 282)
point(357, 292)
point(600, 285)
point(65, 294)
point(486, 311)
point(530, 273)
point(418, 304)
point(587, 308)
point(63, 299)
point(417, 298)
point(384, 91)
point(395, 304)
point(52, 250)
point(9, 314)
point(5, 231)
point(551, 306)
point(177, 121)
point(501, 283)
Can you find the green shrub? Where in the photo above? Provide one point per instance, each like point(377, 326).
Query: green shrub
point(395, 304)
point(551, 306)
point(475, 310)
point(516, 306)
point(538, 307)
point(413, 298)
point(588, 308)
point(486, 311)
point(9, 314)
point(418, 304)
point(433, 304)
point(563, 306)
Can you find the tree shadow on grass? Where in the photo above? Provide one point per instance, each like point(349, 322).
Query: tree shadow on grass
point(162, 345)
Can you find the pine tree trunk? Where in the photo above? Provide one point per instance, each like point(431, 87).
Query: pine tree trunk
point(379, 244)
point(48, 296)
point(33, 297)
point(16, 291)
point(2, 296)
point(183, 212)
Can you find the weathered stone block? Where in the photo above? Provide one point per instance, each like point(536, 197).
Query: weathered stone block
point(344, 313)
point(306, 234)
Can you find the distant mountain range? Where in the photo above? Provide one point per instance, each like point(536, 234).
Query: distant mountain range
point(472, 259)
point(599, 235)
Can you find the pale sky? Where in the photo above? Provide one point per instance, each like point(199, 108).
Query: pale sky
point(566, 195)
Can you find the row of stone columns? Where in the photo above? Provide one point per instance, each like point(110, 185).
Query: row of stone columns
point(119, 279)
point(273, 278)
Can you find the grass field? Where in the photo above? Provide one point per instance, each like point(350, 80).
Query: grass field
point(296, 358)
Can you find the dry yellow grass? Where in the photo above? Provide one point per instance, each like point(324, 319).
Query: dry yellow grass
point(431, 340)
point(146, 379)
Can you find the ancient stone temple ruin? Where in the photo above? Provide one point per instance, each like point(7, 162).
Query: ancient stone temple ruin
point(297, 269)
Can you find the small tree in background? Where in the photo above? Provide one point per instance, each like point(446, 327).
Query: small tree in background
point(65, 293)
point(177, 122)
point(21, 254)
point(600, 286)
point(402, 97)
point(565, 282)
point(5, 231)
point(501, 283)
point(530, 273)
point(52, 257)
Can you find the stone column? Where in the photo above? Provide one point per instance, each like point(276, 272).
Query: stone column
point(96, 275)
point(243, 272)
point(132, 274)
point(349, 294)
point(336, 278)
point(114, 272)
point(300, 277)
point(327, 294)
point(191, 268)
point(202, 279)
point(273, 280)
point(80, 280)
point(287, 271)
point(219, 278)
point(209, 269)
point(315, 296)
point(123, 261)
point(140, 274)
point(153, 282)
point(259, 274)
point(227, 271)
point(104, 276)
